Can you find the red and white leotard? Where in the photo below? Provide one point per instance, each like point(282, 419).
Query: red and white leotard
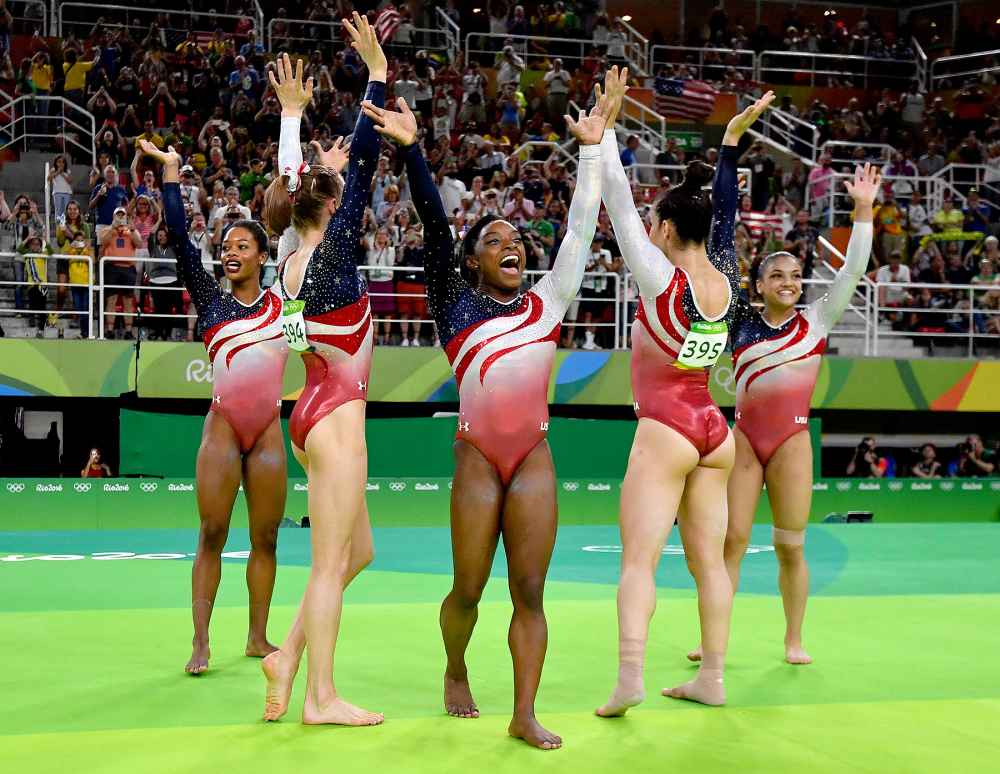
point(502, 354)
point(244, 341)
point(673, 396)
point(776, 366)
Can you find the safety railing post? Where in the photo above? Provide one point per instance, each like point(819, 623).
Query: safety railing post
point(614, 338)
point(90, 296)
point(100, 316)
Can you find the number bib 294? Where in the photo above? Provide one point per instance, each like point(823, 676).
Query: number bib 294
point(293, 325)
point(703, 345)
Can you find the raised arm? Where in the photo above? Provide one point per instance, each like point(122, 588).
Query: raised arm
point(566, 275)
point(651, 268)
point(725, 191)
point(439, 246)
point(863, 189)
point(200, 284)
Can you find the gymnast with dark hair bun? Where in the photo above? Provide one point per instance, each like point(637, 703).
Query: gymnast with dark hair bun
point(682, 454)
point(500, 342)
point(241, 441)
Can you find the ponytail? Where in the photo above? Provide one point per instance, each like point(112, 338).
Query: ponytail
point(302, 207)
point(687, 206)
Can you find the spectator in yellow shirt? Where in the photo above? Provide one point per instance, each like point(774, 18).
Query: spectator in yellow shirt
point(75, 73)
point(889, 219)
point(79, 273)
point(948, 219)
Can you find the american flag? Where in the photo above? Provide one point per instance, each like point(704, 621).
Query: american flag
point(684, 98)
point(387, 23)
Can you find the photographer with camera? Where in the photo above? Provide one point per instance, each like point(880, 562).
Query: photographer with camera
point(974, 460)
point(866, 462)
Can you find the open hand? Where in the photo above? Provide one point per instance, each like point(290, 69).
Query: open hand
point(292, 93)
point(615, 87)
point(365, 42)
point(336, 158)
point(588, 129)
point(169, 157)
point(400, 126)
point(863, 189)
point(743, 121)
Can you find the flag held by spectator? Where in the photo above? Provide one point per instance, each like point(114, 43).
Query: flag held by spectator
point(386, 23)
point(684, 98)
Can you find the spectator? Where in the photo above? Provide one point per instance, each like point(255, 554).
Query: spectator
point(911, 107)
point(382, 255)
point(918, 222)
point(119, 241)
point(928, 466)
point(107, 197)
point(35, 254)
point(889, 219)
point(627, 154)
point(866, 462)
point(510, 67)
point(450, 187)
point(94, 467)
point(519, 210)
point(78, 270)
point(976, 213)
point(162, 273)
point(931, 162)
point(594, 290)
point(900, 173)
point(762, 169)
point(411, 287)
point(61, 185)
point(557, 81)
point(406, 86)
point(75, 75)
point(956, 271)
point(948, 220)
point(974, 460)
point(27, 223)
point(801, 241)
point(820, 182)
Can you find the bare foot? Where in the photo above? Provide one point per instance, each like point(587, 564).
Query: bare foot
point(458, 701)
point(338, 712)
point(794, 654)
point(259, 648)
point(280, 674)
point(626, 695)
point(695, 655)
point(706, 688)
point(531, 731)
point(200, 654)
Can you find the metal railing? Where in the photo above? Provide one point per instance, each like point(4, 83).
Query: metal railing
point(636, 48)
point(636, 172)
point(48, 118)
point(801, 67)
point(788, 132)
point(710, 64)
point(30, 16)
point(24, 285)
point(923, 70)
point(82, 18)
point(307, 33)
point(533, 49)
point(958, 321)
point(452, 31)
point(954, 70)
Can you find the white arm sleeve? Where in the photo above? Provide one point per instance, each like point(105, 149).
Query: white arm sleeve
point(828, 309)
point(651, 268)
point(289, 161)
point(563, 281)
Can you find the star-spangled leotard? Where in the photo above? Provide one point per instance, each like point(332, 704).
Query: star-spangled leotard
point(676, 397)
point(502, 354)
point(244, 341)
point(776, 366)
point(336, 313)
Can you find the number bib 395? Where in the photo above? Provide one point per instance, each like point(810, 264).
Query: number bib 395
point(703, 345)
point(293, 325)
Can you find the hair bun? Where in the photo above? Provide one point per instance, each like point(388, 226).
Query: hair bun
point(696, 175)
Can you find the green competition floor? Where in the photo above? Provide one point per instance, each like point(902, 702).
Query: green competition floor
point(904, 626)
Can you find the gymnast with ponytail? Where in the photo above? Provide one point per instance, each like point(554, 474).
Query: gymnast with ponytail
point(688, 280)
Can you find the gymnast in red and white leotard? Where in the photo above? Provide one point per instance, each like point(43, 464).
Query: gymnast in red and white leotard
point(683, 450)
point(776, 357)
point(501, 343)
point(325, 317)
point(241, 440)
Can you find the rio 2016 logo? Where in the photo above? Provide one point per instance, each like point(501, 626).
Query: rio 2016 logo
point(198, 371)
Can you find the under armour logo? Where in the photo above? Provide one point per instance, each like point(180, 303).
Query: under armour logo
point(636, 405)
point(463, 427)
point(362, 386)
point(739, 415)
point(217, 399)
point(802, 420)
point(545, 426)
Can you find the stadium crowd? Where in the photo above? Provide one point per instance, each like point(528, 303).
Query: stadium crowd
point(210, 98)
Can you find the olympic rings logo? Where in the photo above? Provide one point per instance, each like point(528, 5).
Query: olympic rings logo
point(81, 486)
point(895, 486)
point(15, 487)
point(724, 376)
point(947, 486)
point(149, 487)
point(570, 486)
point(843, 486)
point(397, 486)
